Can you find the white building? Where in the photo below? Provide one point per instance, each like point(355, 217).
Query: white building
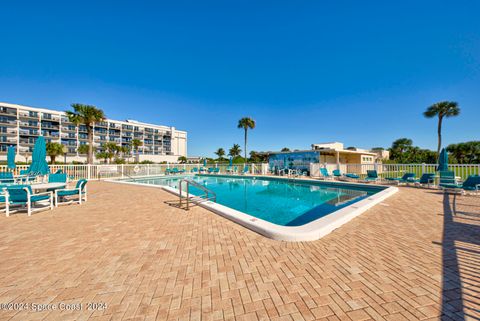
point(21, 125)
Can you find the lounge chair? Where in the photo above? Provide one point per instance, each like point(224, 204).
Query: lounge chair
point(338, 174)
point(79, 192)
point(245, 170)
point(210, 170)
point(447, 178)
point(216, 170)
point(194, 170)
point(325, 173)
point(405, 179)
point(6, 177)
point(471, 184)
point(372, 176)
point(22, 195)
point(426, 179)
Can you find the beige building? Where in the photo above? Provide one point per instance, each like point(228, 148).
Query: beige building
point(335, 153)
point(21, 125)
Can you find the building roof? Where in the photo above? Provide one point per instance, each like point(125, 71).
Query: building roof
point(62, 113)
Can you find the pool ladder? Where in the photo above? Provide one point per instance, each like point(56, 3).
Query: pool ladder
point(208, 196)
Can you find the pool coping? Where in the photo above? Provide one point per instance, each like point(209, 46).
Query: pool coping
point(308, 232)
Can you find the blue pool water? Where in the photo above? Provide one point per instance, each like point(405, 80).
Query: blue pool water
point(282, 202)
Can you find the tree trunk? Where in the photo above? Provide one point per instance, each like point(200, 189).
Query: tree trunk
point(52, 159)
point(90, 145)
point(440, 118)
point(246, 145)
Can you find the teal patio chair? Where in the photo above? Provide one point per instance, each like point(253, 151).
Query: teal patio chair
point(325, 174)
point(426, 179)
point(337, 173)
point(22, 195)
point(6, 177)
point(405, 179)
point(194, 170)
point(57, 178)
point(372, 176)
point(67, 196)
point(216, 170)
point(471, 184)
point(447, 178)
point(245, 170)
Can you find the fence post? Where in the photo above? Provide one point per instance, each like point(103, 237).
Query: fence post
point(423, 168)
point(122, 170)
point(88, 172)
point(148, 169)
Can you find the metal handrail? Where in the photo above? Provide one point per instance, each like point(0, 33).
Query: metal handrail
point(189, 182)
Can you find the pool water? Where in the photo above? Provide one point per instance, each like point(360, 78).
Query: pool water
point(279, 201)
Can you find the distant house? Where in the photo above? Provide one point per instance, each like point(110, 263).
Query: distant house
point(331, 155)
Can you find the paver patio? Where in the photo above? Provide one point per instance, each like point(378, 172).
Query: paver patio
point(414, 257)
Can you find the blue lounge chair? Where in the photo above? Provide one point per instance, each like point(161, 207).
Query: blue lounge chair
point(372, 176)
point(210, 170)
point(79, 192)
point(245, 170)
point(471, 184)
point(22, 195)
point(405, 179)
point(447, 178)
point(338, 174)
point(194, 170)
point(426, 179)
point(6, 177)
point(325, 173)
point(216, 170)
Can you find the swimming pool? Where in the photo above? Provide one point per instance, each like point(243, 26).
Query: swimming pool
point(269, 202)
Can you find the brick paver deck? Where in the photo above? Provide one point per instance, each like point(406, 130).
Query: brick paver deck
point(414, 257)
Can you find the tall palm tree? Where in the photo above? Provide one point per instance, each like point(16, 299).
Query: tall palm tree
point(220, 153)
point(234, 151)
point(87, 115)
point(441, 110)
point(136, 143)
point(54, 150)
point(246, 123)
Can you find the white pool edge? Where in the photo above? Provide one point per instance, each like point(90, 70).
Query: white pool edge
point(308, 232)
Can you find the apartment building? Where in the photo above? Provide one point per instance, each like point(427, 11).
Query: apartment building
point(21, 125)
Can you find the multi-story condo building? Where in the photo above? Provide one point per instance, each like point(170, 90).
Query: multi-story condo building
point(21, 125)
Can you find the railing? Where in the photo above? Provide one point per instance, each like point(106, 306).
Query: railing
point(112, 171)
point(209, 194)
point(396, 170)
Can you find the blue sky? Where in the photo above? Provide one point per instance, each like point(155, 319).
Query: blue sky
point(360, 72)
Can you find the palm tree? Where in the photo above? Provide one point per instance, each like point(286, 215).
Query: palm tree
point(441, 110)
point(86, 115)
point(136, 143)
point(111, 150)
point(54, 150)
point(182, 160)
point(246, 123)
point(220, 153)
point(234, 151)
point(285, 149)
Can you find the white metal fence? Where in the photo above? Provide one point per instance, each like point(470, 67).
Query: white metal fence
point(138, 170)
point(396, 170)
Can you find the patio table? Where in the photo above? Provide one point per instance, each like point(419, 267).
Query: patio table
point(45, 186)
